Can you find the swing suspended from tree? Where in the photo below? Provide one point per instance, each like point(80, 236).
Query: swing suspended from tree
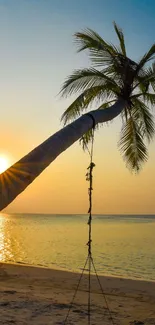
point(89, 263)
point(121, 82)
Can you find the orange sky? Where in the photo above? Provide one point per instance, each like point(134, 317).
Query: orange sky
point(62, 188)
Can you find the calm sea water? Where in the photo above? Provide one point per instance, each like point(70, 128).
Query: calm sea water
point(122, 245)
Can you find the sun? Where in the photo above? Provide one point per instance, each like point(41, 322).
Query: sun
point(4, 164)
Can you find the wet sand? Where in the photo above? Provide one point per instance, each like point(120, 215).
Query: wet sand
point(40, 296)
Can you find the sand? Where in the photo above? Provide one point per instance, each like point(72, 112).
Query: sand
point(40, 296)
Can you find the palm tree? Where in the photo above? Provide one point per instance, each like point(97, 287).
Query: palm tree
point(118, 79)
point(118, 86)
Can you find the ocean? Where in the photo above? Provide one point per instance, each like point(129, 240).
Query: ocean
point(122, 246)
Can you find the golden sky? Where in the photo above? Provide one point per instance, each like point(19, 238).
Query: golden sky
point(62, 187)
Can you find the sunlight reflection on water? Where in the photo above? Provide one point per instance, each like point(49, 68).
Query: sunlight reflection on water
point(122, 246)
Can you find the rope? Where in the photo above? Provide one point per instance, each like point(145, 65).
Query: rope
point(89, 177)
point(89, 260)
point(78, 284)
point(105, 299)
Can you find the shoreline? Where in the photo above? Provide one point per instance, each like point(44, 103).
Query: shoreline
point(46, 272)
point(38, 296)
point(76, 272)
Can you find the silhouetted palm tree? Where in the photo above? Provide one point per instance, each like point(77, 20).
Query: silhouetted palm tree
point(119, 81)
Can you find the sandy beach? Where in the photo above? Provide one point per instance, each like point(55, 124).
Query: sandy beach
point(39, 296)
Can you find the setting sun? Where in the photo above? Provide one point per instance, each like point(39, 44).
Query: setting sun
point(3, 164)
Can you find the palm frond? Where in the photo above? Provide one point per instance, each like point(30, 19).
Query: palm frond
point(132, 146)
point(106, 105)
point(125, 114)
point(120, 35)
point(81, 103)
point(89, 39)
point(152, 81)
point(147, 97)
point(145, 120)
point(86, 139)
point(101, 52)
point(114, 72)
point(150, 55)
point(83, 79)
point(144, 78)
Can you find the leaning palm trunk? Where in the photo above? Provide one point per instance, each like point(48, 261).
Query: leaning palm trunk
point(16, 178)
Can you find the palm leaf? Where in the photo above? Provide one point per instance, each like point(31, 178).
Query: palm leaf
point(144, 118)
point(120, 35)
point(83, 79)
point(152, 81)
point(81, 103)
point(144, 78)
point(106, 105)
point(150, 55)
point(86, 139)
point(149, 98)
point(101, 52)
point(132, 146)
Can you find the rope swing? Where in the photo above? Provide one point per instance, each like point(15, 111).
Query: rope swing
point(89, 260)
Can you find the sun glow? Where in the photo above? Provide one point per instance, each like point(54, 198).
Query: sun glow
point(4, 164)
